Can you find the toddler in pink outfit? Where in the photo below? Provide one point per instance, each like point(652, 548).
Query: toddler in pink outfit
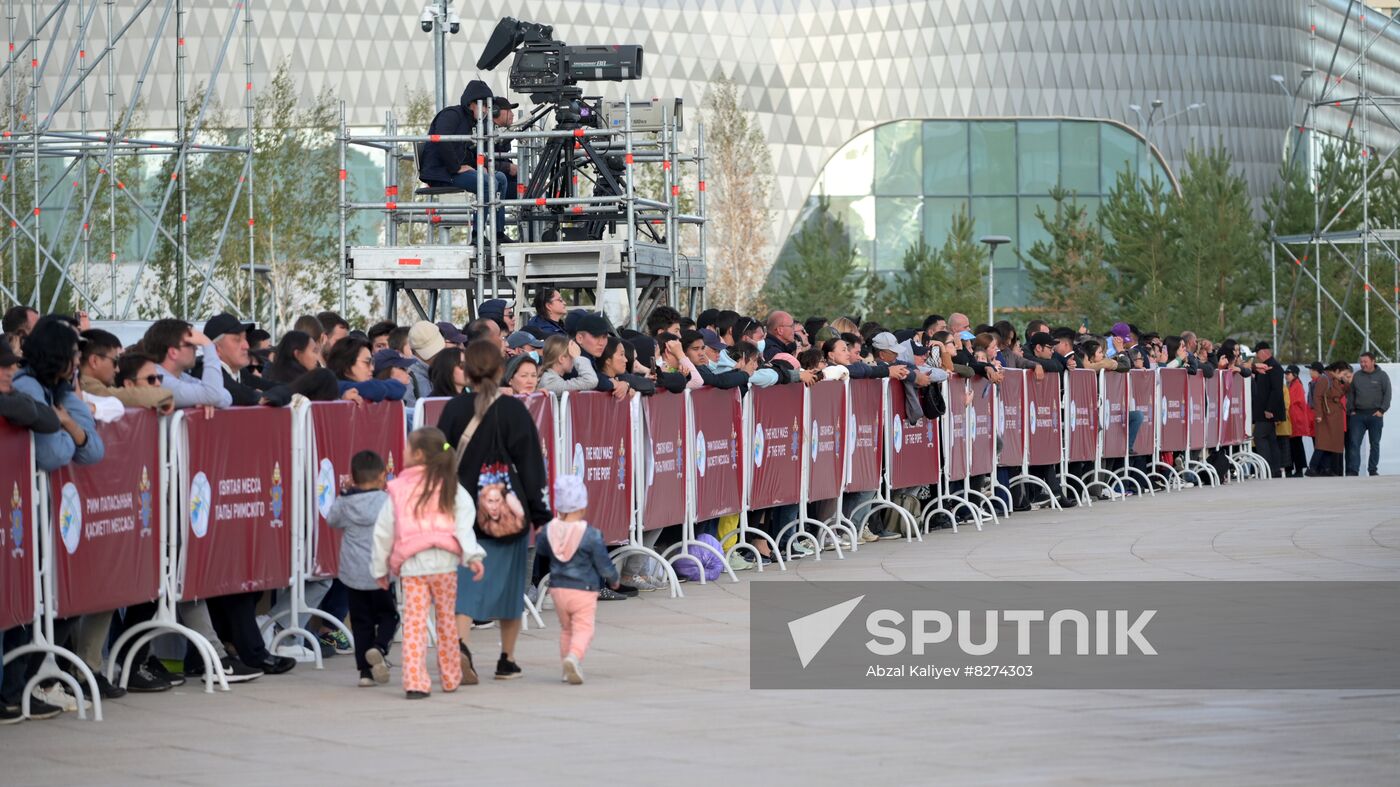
point(578, 567)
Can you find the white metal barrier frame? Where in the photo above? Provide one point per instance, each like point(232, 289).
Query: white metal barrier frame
point(883, 497)
point(41, 626)
point(1189, 464)
point(1025, 476)
point(1070, 482)
point(826, 530)
point(165, 620)
point(681, 549)
point(1116, 485)
point(945, 485)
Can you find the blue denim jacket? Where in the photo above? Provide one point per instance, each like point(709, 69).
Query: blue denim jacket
point(52, 451)
point(589, 568)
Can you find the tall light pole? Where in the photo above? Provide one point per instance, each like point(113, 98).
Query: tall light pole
point(1282, 82)
point(992, 241)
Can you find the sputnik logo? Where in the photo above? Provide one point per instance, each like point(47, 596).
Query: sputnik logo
point(810, 633)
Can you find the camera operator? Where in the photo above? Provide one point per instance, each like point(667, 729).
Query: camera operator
point(503, 118)
point(454, 163)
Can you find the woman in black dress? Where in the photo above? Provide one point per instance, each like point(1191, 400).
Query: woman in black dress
point(505, 428)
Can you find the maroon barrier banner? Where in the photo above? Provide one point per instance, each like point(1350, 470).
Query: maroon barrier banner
point(1043, 419)
point(1172, 412)
point(1115, 395)
point(106, 520)
point(432, 410)
point(957, 428)
point(776, 446)
point(1011, 432)
point(863, 444)
point(827, 436)
point(719, 483)
point(1083, 415)
point(1144, 392)
point(600, 426)
point(665, 450)
point(16, 536)
point(238, 504)
point(979, 426)
point(1232, 407)
point(344, 429)
point(914, 449)
point(1196, 411)
point(1213, 410)
point(541, 408)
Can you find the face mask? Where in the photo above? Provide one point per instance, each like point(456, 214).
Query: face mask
point(761, 342)
point(534, 355)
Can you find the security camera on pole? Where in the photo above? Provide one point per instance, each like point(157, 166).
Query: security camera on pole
point(439, 19)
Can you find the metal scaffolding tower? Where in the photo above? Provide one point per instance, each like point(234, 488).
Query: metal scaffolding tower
point(1365, 253)
point(571, 236)
point(59, 184)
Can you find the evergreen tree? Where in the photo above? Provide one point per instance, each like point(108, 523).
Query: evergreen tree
point(1135, 215)
point(819, 274)
point(1071, 280)
point(946, 280)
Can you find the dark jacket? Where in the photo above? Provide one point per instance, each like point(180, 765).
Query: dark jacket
point(509, 419)
point(24, 412)
point(544, 325)
point(1051, 364)
point(860, 370)
point(731, 378)
point(1268, 394)
point(376, 390)
point(604, 382)
point(439, 162)
point(1369, 392)
point(772, 346)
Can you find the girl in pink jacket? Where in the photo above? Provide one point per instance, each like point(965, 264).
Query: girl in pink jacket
point(423, 533)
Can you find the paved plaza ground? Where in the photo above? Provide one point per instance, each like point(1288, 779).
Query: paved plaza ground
point(667, 699)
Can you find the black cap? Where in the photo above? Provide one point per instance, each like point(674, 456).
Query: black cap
point(594, 325)
point(1263, 346)
point(221, 324)
point(1292, 369)
point(1040, 339)
point(502, 102)
point(1317, 366)
point(387, 358)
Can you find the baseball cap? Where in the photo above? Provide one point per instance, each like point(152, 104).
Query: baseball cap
point(450, 333)
point(592, 324)
point(386, 358)
point(712, 340)
point(496, 307)
point(522, 339)
point(425, 339)
point(221, 324)
point(1121, 330)
point(501, 102)
point(1292, 369)
point(885, 340)
point(1041, 339)
point(1316, 366)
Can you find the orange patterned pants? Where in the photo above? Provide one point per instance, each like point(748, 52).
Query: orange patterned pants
point(438, 592)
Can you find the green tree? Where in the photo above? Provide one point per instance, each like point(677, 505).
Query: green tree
point(1135, 215)
point(1219, 282)
point(1071, 280)
point(950, 279)
point(819, 275)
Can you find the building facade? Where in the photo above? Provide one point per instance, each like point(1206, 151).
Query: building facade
point(903, 111)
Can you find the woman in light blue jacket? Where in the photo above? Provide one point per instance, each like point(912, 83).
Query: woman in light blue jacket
point(50, 363)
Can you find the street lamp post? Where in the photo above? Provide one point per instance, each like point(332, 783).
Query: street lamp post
point(992, 241)
point(1146, 125)
point(1282, 82)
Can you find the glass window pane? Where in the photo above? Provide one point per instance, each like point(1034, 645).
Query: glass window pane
point(938, 218)
point(1038, 148)
point(850, 173)
point(899, 156)
point(1119, 151)
point(997, 216)
point(1032, 229)
point(1079, 157)
point(945, 157)
point(858, 215)
point(993, 157)
point(899, 224)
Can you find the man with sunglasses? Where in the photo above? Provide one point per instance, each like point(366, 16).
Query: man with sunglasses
point(177, 346)
point(101, 356)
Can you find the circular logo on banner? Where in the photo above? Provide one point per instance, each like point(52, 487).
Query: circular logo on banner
point(700, 453)
point(1162, 414)
point(898, 434)
point(1033, 419)
point(850, 433)
point(201, 500)
point(815, 439)
point(1225, 407)
point(758, 446)
point(325, 487)
point(578, 460)
point(70, 517)
point(999, 412)
point(971, 419)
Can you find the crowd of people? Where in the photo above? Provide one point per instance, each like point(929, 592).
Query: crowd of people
point(452, 529)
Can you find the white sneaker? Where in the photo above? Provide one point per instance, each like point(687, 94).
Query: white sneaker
point(801, 549)
point(59, 697)
point(573, 673)
point(740, 563)
point(292, 650)
point(640, 582)
point(867, 537)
